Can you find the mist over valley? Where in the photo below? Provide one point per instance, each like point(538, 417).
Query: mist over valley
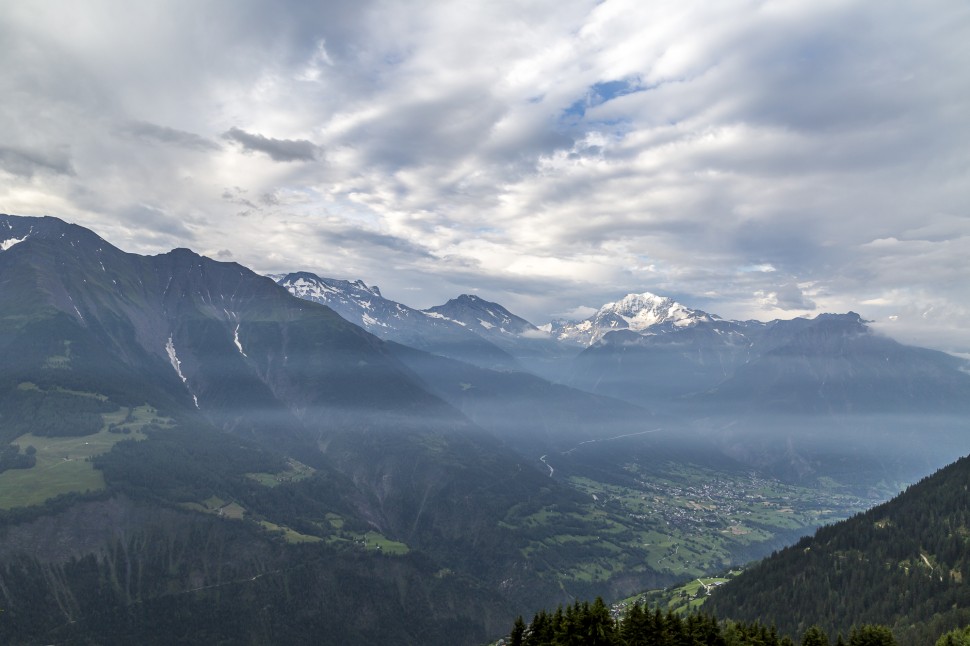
point(186, 436)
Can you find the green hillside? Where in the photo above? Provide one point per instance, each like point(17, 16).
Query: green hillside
point(905, 564)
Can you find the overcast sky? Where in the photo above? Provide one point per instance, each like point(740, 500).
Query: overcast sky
point(755, 159)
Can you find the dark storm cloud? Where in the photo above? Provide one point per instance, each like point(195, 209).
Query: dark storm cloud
point(281, 150)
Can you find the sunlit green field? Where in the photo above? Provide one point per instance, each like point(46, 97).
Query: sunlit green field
point(62, 462)
point(333, 527)
point(295, 471)
point(685, 597)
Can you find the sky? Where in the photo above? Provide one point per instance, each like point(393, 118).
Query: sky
point(754, 159)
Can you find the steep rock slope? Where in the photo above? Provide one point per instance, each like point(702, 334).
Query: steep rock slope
point(216, 335)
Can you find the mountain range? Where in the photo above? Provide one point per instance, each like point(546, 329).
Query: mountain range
point(187, 447)
point(756, 389)
point(649, 350)
point(366, 307)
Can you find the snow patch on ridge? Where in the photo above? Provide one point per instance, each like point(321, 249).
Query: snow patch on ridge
point(370, 322)
point(319, 290)
point(173, 358)
point(6, 244)
point(437, 315)
point(235, 339)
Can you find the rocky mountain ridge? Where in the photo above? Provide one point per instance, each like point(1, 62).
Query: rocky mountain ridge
point(366, 307)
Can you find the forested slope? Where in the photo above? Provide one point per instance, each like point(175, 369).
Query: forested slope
point(905, 564)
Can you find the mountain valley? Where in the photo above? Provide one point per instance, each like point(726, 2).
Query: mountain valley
point(190, 446)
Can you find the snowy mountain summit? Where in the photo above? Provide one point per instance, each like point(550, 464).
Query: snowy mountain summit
point(365, 306)
point(643, 313)
point(355, 301)
point(484, 317)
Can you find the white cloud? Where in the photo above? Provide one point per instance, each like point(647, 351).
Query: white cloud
point(740, 156)
point(577, 313)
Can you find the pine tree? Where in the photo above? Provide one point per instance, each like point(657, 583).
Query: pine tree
point(955, 638)
point(815, 637)
point(869, 635)
point(599, 625)
point(518, 632)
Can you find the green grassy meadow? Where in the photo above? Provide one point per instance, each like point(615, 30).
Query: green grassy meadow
point(62, 462)
point(683, 521)
point(294, 472)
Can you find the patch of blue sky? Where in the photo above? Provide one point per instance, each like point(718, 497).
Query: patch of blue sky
point(617, 126)
point(598, 94)
point(764, 267)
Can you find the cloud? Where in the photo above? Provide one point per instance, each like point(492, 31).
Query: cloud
point(349, 237)
point(26, 163)
point(787, 297)
point(281, 150)
point(764, 267)
point(750, 159)
point(154, 221)
point(579, 313)
point(162, 134)
point(236, 195)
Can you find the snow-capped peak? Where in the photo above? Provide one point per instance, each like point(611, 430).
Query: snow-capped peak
point(641, 311)
point(636, 312)
point(312, 287)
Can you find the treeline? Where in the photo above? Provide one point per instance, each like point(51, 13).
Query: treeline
point(192, 579)
point(904, 564)
point(51, 413)
point(12, 458)
point(593, 624)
